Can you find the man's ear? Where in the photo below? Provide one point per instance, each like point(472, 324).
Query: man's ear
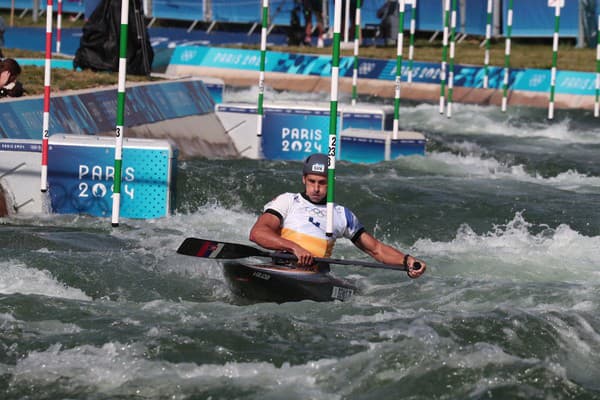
point(304, 179)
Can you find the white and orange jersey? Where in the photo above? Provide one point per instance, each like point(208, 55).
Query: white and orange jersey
point(304, 222)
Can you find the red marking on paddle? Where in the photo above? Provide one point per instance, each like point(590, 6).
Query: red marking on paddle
point(206, 249)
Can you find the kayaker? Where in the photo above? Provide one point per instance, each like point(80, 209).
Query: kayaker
point(295, 223)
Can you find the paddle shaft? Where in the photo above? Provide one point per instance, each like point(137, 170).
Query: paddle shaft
point(223, 250)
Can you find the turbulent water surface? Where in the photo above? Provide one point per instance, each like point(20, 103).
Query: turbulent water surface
point(505, 208)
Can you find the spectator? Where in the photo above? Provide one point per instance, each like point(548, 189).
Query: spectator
point(313, 7)
point(9, 72)
point(351, 20)
point(296, 31)
point(388, 28)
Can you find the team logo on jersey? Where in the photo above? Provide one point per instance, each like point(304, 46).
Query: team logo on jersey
point(315, 223)
point(315, 211)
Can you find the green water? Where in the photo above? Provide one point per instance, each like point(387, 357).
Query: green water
point(505, 210)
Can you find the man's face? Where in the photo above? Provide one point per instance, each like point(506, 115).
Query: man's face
point(316, 187)
point(5, 78)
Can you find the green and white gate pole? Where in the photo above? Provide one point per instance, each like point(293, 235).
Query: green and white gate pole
point(261, 77)
point(509, 20)
point(411, 44)
point(399, 46)
point(120, 126)
point(488, 36)
point(597, 102)
point(444, 55)
point(356, 46)
point(557, 5)
point(332, 150)
point(451, 65)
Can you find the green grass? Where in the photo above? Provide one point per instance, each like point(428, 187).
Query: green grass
point(524, 53)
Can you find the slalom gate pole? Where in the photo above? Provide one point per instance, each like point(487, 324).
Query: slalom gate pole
point(555, 38)
point(509, 19)
point(488, 36)
point(451, 65)
point(46, 113)
point(120, 126)
point(59, 26)
point(597, 102)
point(411, 44)
point(332, 151)
point(356, 46)
point(399, 46)
point(444, 55)
point(261, 77)
point(346, 21)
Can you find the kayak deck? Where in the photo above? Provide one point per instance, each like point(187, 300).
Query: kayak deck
point(283, 283)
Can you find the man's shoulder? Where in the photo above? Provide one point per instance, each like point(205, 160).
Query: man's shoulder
point(340, 208)
point(284, 197)
point(289, 195)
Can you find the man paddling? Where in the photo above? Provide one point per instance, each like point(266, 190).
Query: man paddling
point(295, 223)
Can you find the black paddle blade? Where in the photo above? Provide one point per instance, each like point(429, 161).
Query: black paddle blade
point(213, 249)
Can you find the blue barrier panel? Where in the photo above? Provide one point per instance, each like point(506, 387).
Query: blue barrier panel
point(18, 4)
point(238, 11)
point(430, 15)
point(368, 14)
point(185, 10)
point(280, 12)
point(533, 18)
point(69, 6)
point(93, 112)
point(569, 82)
point(475, 18)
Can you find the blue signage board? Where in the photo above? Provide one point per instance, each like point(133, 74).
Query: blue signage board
point(368, 148)
point(294, 134)
point(362, 120)
point(81, 176)
point(406, 147)
point(362, 149)
point(568, 82)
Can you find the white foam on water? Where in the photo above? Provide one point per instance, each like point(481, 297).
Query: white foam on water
point(519, 250)
point(12, 326)
point(467, 118)
point(478, 166)
point(18, 278)
point(275, 97)
point(474, 120)
point(124, 370)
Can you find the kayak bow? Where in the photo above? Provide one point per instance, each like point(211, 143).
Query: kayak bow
point(283, 283)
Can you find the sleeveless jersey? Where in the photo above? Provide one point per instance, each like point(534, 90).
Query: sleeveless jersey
point(305, 223)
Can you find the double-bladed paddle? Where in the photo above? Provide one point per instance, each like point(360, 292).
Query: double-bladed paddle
point(222, 250)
